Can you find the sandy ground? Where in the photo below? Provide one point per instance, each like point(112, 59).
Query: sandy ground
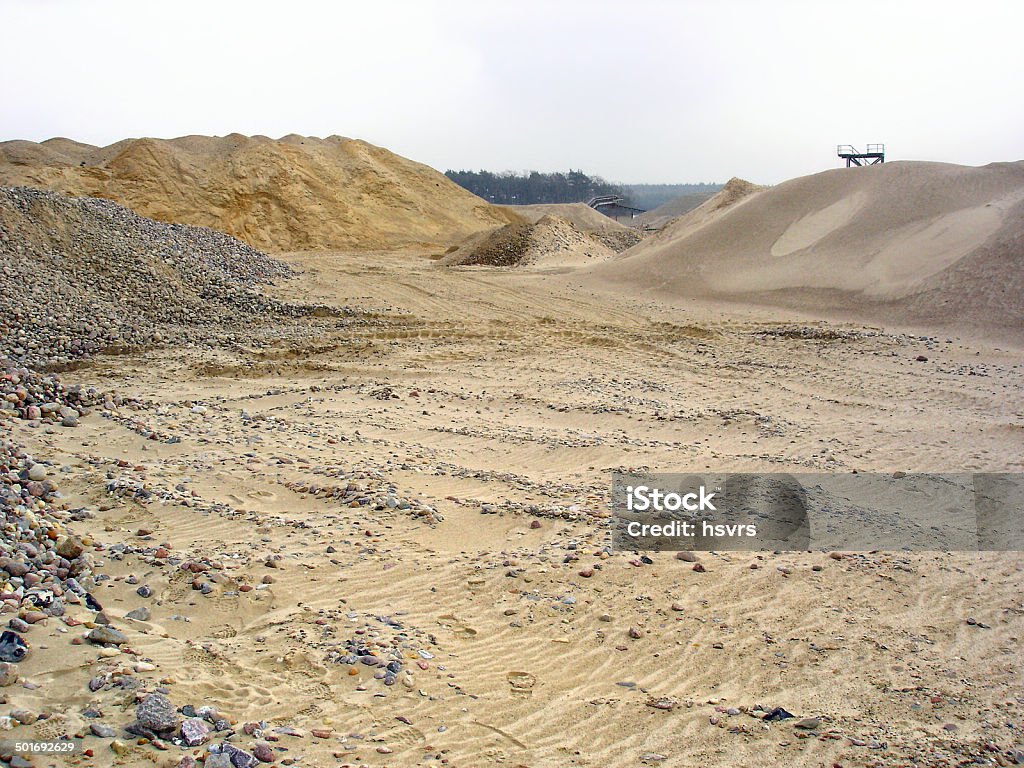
point(502, 401)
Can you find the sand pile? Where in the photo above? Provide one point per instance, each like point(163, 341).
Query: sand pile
point(550, 242)
point(659, 217)
point(82, 275)
point(290, 194)
point(734, 191)
point(906, 243)
point(602, 228)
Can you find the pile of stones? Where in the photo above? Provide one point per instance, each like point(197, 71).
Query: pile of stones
point(27, 394)
point(42, 566)
point(80, 276)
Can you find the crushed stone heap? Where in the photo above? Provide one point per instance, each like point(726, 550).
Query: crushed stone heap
point(83, 275)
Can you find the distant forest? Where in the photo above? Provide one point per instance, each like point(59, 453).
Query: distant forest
point(526, 188)
point(511, 188)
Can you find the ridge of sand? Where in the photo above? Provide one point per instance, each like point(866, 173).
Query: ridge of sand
point(288, 194)
point(735, 191)
point(658, 218)
point(906, 243)
point(551, 241)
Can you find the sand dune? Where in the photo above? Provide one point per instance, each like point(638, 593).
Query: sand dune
point(904, 243)
point(664, 214)
point(293, 193)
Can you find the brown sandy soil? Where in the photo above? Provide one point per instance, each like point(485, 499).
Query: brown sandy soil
point(499, 400)
point(293, 192)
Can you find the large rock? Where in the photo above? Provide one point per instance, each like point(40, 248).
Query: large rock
point(195, 731)
point(13, 647)
point(157, 713)
point(104, 635)
point(8, 674)
point(70, 547)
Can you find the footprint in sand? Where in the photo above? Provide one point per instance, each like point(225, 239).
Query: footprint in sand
point(241, 694)
point(225, 603)
point(223, 632)
point(406, 737)
point(52, 728)
point(311, 687)
point(458, 627)
point(522, 682)
point(311, 710)
point(202, 658)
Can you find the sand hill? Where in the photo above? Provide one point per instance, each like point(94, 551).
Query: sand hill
point(659, 217)
point(602, 228)
point(290, 194)
point(906, 243)
point(551, 241)
point(735, 190)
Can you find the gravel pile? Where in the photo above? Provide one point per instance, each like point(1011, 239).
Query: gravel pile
point(618, 240)
point(550, 241)
point(83, 275)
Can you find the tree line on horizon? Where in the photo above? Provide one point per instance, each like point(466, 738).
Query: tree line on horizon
point(575, 186)
point(510, 188)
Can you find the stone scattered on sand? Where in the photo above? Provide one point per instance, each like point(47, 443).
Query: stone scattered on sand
point(13, 647)
point(195, 731)
point(106, 635)
point(263, 752)
point(157, 713)
point(70, 547)
point(138, 614)
point(235, 756)
point(119, 747)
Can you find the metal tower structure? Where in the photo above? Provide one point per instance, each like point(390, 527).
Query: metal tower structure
point(874, 156)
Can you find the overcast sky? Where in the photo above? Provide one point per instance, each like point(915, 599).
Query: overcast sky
point(632, 91)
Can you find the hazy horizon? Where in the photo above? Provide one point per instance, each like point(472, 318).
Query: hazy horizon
point(650, 93)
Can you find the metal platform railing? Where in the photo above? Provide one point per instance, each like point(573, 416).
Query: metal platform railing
point(848, 149)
